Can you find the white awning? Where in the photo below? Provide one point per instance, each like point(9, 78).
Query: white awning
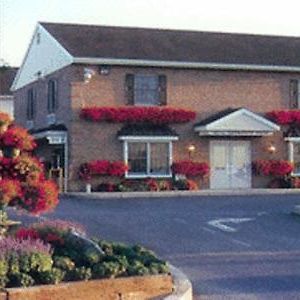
point(240, 122)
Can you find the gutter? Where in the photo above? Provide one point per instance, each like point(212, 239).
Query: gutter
point(179, 64)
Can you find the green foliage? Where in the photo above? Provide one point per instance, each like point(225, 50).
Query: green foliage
point(91, 256)
point(53, 276)
point(3, 267)
point(80, 273)
point(64, 263)
point(3, 281)
point(137, 268)
point(40, 262)
point(21, 280)
point(108, 269)
point(25, 263)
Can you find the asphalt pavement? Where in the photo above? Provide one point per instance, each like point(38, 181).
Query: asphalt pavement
point(231, 247)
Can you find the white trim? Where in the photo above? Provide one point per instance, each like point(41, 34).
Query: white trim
point(179, 64)
point(49, 134)
point(7, 97)
point(211, 126)
point(134, 138)
point(291, 141)
point(235, 133)
point(142, 176)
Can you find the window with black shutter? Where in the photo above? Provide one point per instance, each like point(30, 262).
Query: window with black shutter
point(145, 89)
point(52, 96)
point(294, 93)
point(30, 112)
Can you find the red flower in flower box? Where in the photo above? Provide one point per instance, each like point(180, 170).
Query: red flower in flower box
point(155, 115)
point(272, 167)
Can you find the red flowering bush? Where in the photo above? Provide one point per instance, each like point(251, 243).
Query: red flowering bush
point(190, 168)
point(185, 185)
point(17, 137)
point(102, 167)
point(38, 197)
point(117, 168)
point(285, 117)
point(9, 190)
point(27, 233)
point(154, 115)
point(272, 167)
point(152, 185)
point(99, 167)
point(5, 119)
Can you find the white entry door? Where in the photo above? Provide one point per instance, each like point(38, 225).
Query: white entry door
point(230, 164)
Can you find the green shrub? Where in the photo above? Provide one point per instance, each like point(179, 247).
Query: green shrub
point(109, 269)
point(64, 263)
point(80, 273)
point(40, 262)
point(137, 268)
point(3, 267)
point(21, 280)
point(53, 276)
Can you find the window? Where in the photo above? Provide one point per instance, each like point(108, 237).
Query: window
point(294, 94)
point(294, 154)
point(148, 159)
point(52, 96)
point(30, 104)
point(146, 89)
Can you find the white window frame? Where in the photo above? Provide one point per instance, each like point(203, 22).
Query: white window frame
point(291, 141)
point(148, 140)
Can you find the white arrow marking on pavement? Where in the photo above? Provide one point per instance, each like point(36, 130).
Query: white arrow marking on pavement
point(219, 223)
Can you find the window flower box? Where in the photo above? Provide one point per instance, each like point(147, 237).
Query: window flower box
point(154, 115)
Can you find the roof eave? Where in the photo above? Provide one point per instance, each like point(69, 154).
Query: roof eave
point(183, 64)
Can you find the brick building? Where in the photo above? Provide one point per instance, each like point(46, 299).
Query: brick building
point(230, 80)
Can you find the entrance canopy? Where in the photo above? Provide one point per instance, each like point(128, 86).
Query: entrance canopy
point(236, 122)
point(55, 134)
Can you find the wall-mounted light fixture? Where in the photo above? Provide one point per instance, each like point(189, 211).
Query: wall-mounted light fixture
point(191, 149)
point(271, 148)
point(104, 70)
point(88, 74)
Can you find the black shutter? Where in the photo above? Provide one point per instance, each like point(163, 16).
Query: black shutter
point(55, 104)
point(129, 88)
point(294, 92)
point(49, 96)
point(28, 105)
point(162, 89)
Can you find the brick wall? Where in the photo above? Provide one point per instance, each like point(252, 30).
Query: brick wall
point(205, 91)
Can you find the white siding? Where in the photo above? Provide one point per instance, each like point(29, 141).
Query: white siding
point(44, 57)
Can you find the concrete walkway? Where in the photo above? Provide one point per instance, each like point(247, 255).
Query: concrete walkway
point(176, 194)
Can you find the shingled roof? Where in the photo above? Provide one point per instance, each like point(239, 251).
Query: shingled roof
point(7, 75)
point(92, 41)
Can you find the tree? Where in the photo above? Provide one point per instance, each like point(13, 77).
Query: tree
point(22, 181)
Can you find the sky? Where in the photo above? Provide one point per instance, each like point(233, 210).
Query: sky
point(18, 18)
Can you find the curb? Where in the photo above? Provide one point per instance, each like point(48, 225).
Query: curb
point(296, 210)
point(182, 286)
point(169, 194)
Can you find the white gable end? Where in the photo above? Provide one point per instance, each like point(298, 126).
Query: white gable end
point(44, 56)
point(240, 122)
